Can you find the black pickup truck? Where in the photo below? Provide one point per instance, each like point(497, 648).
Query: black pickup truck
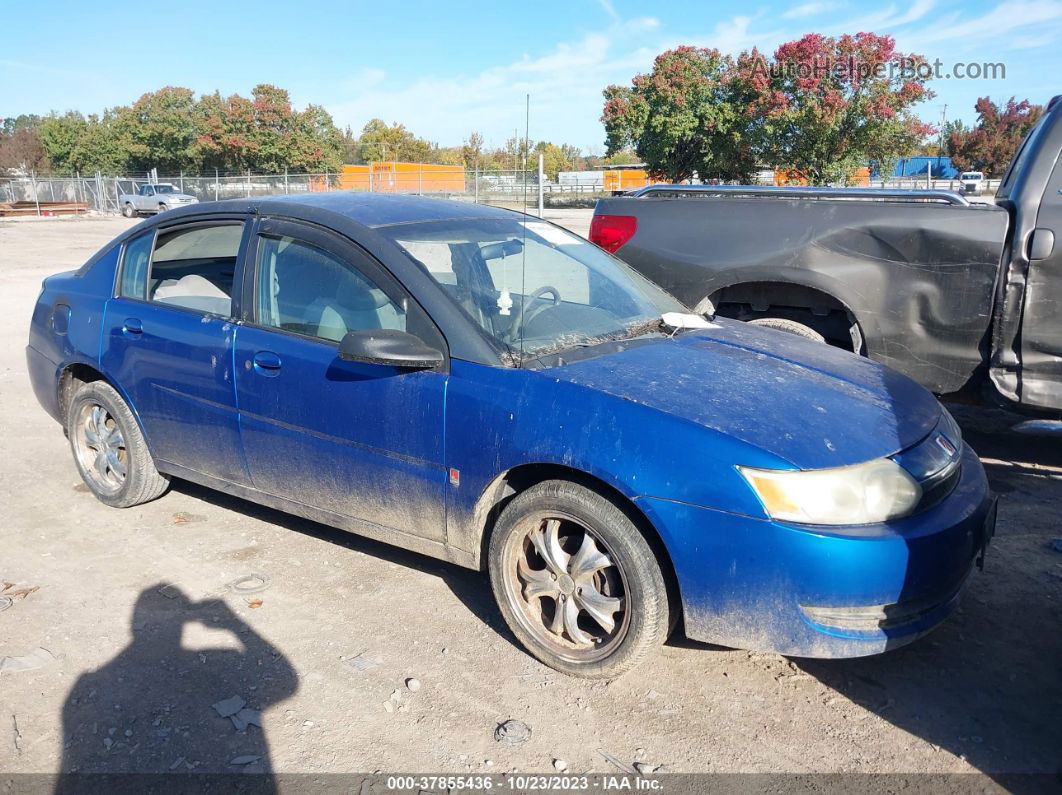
point(965, 298)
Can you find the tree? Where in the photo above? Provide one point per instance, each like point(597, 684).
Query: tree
point(62, 137)
point(554, 159)
point(682, 118)
point(991, 144)
point(21, 150)
point(12, 124)
point(382, 142)
point(173, 131)
point(161, 131)
point(472, 150)
point(820, 106)
point(825, 106)
point(624, 157)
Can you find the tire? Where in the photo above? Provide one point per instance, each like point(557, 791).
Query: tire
point(129, 211)
point(163, 208)
point(790, 327)
point(109, 450)
point(558, 516)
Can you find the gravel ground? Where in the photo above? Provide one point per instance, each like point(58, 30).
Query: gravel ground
point(142, 639)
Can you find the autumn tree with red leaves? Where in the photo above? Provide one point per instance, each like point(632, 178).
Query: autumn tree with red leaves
point(990, 146)
point(821, 106)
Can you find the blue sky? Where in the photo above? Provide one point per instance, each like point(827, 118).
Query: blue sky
point(444, 69)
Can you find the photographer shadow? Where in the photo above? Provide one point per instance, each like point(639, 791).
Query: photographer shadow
point(150, 710)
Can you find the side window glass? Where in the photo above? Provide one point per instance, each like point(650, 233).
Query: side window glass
point(135, 266)
point(194, 267)
point(304, 289)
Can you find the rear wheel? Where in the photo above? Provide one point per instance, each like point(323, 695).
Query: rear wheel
point(129, 211)
point(577, 582)
point(789, 326)
point(109, 449)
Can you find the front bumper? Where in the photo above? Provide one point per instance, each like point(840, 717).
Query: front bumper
point(824, 592)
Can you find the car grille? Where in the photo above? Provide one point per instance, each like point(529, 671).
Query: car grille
point(935, 462)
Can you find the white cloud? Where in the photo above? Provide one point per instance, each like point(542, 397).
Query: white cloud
point(565, 86)
point(808, 10)
point(1009, 25)
point(608, 8)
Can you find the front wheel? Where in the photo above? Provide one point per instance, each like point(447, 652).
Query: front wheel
point(129, 211)
point(109, 449)
point(577, 582)
point(163, 208)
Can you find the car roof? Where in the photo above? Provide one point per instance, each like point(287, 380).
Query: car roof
point(384, 209)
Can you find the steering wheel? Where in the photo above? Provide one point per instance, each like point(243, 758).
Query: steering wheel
point(522, 317)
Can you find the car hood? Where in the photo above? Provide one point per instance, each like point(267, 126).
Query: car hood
point(810, 404)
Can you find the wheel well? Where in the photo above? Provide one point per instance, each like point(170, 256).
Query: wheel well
point(72, 379)
point(519, 479)
point(814, 308)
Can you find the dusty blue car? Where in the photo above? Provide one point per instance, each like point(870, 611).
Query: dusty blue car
point(489, 389)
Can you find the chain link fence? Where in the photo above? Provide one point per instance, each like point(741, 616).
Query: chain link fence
point(105, 193)
point(513, 188)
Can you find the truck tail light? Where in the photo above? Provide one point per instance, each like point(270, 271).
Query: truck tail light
point(611, 232)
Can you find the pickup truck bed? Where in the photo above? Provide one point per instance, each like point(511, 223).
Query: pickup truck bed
point(875, 271)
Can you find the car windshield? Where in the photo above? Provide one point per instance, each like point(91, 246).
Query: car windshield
point(165, 189)
point(534, 287)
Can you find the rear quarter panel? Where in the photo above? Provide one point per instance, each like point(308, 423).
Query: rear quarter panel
point(918, 278)
point(66, 325)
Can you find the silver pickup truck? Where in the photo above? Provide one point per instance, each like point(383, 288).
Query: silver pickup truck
point(155, 198)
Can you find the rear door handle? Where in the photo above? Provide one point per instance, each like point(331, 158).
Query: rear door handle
point(132, 327)
point(267, 363)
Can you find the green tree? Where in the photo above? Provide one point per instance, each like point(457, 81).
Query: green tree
point(682, 118)
point(161, 132)
point(380, 141)
point(61, 137)
point(624, 157)
point(12, 124)
point(472, 150)
point(554, 159)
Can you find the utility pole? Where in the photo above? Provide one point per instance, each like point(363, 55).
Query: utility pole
point(940, 138)
point(540, 181)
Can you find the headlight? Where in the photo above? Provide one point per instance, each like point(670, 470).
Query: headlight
point(861, 494)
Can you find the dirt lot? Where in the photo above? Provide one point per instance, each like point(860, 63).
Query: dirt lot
point(130, 673)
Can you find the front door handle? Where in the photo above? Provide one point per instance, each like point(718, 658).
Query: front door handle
point(132, 327)
point(267, 363)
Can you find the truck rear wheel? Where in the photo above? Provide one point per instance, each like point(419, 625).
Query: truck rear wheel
point(789, 326)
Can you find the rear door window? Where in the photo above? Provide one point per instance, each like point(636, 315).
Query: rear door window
point(194, 267)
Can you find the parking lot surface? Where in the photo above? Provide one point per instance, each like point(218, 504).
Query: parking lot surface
point(130, 653)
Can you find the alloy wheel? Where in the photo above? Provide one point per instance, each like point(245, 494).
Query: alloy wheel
point(100, 448)
point(566, 587)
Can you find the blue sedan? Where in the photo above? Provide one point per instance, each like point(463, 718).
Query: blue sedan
point(486, 388)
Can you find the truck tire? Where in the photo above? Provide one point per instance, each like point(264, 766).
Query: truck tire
point(577, 582)
point(129, 211)
point(162, 207)
point(109, 450)
point(789, 326)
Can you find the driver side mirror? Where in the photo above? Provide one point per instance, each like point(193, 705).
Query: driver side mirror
point(389, 347)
